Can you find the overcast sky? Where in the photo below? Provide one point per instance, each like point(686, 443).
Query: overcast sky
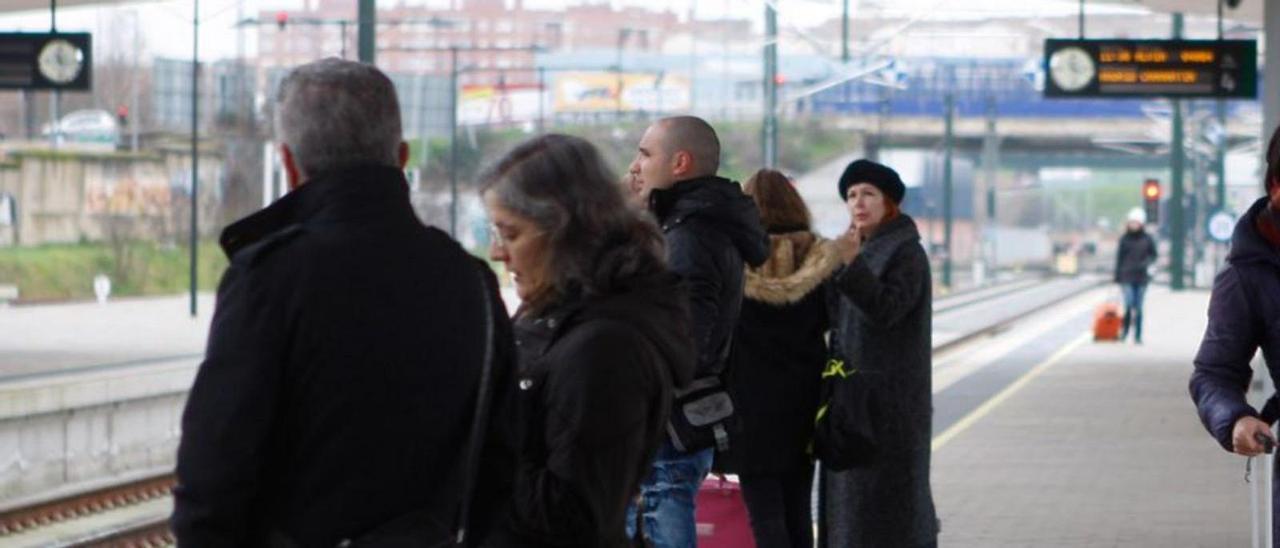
point(165, 25)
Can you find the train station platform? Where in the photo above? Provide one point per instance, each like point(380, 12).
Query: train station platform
point(1042, 436)
point(1094, 445)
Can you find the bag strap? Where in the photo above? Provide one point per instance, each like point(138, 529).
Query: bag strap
point(480, 418)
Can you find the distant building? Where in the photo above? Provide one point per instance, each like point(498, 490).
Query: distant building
point(490, 38)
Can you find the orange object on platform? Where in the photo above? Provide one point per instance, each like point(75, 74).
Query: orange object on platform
point(1107, 322)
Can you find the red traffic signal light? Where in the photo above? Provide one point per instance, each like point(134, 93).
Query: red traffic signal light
point(1151, 200)
point(1151, 190)
point(282, 19)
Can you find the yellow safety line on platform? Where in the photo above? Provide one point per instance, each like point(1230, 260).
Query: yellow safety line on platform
point(990, 405)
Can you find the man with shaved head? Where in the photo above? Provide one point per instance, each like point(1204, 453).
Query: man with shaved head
point(712, 229)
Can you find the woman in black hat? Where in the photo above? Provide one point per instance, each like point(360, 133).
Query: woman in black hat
point(883, 317)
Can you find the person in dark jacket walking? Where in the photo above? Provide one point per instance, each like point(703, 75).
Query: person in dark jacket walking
point(602, 336)
point(1134, 257)
point(345, 352)
point(1244, 315)
point(712, 231)
point(776, 363)
point(883, 328)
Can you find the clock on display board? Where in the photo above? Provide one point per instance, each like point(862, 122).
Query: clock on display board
point(60, 61)
point(1071, 68)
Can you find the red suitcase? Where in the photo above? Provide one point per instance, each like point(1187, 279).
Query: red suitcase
point(721, 514)
point(1107, 322)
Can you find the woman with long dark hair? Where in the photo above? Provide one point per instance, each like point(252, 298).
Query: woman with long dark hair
point(883, 327)
point(774, 369)
point(601, 335)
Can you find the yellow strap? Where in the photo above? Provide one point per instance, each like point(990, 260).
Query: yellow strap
point(835, 367)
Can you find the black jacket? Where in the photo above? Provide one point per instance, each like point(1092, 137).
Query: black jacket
point(778, 354)
point(1136, 252)
point(1244, 315)
point(712, 229)
point(341, 373)
point(596, 385)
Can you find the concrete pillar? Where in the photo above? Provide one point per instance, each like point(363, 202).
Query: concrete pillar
point(1270, 69)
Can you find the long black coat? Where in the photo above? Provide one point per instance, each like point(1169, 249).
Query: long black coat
point(712, 230)
point(778, 353)
point(341, 373)
point(1136, 252)
point(1244, 315)
point(883, 326)
point(596, 379)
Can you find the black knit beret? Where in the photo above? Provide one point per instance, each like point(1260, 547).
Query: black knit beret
point(878, 175)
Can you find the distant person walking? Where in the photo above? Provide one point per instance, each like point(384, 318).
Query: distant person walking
point(774, 369)
point(344, 359)
point(884, 328)
point(712, 231)
point(1134, 257)
point(1244, 315)
point(603, 338)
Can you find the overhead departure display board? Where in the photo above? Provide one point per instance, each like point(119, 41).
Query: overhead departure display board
point(54, 61)
point(1151, 68)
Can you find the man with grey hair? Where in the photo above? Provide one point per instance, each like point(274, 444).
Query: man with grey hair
point(344, 360)
point(712, 230)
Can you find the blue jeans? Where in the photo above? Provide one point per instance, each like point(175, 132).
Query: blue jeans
point(667, 497)
point(1133, 294)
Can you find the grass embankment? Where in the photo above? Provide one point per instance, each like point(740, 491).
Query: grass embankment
point(66, 271)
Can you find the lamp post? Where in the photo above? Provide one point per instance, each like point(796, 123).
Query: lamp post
point(195, 148)
point(770, 86)
point(844, 34)
point(1177, 154)
point(948, 145)
point(365, 32)
point(453, 141)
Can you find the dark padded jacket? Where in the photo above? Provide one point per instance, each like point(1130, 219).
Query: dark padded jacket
point(341, 373)
point(713, 230)
point(1136, 252)
point(596, 384)
point(1244, 316)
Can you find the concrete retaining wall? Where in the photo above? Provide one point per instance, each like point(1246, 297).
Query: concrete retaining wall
point(83, 427)
point(65, 196)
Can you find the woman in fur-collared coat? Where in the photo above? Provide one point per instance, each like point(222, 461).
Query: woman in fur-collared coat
point(779, 350)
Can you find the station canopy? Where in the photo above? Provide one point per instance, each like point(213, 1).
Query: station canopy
point(10, 6)
point(1247, 10)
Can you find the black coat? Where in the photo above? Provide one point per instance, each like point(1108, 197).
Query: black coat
point(712, 231)
point(596, 379)
point(341, 373)
point(778, 354)
point(1244, 315)
point(1136, 252)
point(883, 326)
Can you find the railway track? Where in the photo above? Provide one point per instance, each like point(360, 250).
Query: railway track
point(983, 313)
point(85, 518)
